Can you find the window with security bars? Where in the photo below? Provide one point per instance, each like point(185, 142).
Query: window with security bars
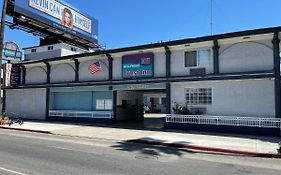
point(198, 96)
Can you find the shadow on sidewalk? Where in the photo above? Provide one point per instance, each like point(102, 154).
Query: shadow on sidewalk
point(142, 126)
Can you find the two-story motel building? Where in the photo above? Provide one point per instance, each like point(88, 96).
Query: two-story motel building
point(233, 74)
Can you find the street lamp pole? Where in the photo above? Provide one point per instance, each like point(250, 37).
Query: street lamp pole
point(3, 18)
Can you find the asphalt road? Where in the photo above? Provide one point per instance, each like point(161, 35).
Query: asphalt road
point(23, 153)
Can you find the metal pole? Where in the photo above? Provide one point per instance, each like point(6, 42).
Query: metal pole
point(211, 16)
point(3, 18)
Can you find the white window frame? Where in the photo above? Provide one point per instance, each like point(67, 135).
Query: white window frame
point(104, 104)
point(198, 102)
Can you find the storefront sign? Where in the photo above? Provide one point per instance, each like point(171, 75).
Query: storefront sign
point(143, 86)
point(15, 75)
point(8, 69)
point(11, 52)
point(12, 75)
point(137, 66)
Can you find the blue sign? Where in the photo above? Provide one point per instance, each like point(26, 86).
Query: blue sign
point(61, 16)
point(137, 66)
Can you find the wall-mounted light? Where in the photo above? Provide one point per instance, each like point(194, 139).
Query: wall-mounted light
point(187, 45)
point(246, 37)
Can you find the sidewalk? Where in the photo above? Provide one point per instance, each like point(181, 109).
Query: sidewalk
point(235, 144)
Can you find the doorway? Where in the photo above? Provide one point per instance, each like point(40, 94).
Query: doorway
point(142, 108)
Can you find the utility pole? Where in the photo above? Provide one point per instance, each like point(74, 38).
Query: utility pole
point(211, 16)
point(3, 18)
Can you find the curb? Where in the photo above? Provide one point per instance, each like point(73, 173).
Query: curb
point(209, 149)
point(26, 130)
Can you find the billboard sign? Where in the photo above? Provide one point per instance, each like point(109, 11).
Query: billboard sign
point(61, 16)
point(137, 66)
point(11, 52)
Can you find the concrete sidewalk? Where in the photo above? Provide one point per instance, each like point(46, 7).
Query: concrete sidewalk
point(237, 144)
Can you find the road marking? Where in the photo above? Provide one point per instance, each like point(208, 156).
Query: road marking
point(75, 150)
point(12, 171)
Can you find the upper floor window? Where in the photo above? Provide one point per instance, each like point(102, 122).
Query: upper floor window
point(33, 50)
point(197, 58)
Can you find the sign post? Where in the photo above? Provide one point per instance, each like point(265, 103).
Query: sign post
point(3, 18)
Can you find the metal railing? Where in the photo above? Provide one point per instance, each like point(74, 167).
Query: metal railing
point(224, 120)
point(81, 114)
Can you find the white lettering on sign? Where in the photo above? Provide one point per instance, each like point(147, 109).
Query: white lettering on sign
point(137, 86)
point(55, 9)
point(8, 74)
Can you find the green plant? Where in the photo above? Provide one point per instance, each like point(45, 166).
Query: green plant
point(181, 109)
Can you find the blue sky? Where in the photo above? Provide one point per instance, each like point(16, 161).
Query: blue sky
point(124, 23)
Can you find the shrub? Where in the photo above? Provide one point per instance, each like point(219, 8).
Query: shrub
point(180, 109)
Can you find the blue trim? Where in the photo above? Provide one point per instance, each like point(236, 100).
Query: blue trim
point(47, 103)
point(276, 59)
point(168, 61)
point(216, 57)
point(76, 62)
point(110, 66)
point(168, 98)
point(225, 129)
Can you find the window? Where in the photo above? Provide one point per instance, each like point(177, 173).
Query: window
point(197, 58)
point(50, 47)
point(190, 59)
point(33, 50)
point(103, 104)
point(73, 49)
point(198, 96)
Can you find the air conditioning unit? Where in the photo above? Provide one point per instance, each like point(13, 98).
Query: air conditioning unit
point(198, 71)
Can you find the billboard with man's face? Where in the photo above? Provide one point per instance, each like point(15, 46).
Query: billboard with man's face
point(61, 16)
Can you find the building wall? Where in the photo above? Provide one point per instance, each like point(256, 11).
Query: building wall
point(62, 73)
point(246, 57)
point(36, 75)
point(248, 98)
point(117, 68)
point(30, 103)
point(159, 64)
point(85, 75)
point(178, 63)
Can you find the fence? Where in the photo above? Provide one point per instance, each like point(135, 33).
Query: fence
point(224, 120)
point(80, 114)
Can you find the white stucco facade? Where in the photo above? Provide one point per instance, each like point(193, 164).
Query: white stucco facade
point(248, 98)
point(29, 103)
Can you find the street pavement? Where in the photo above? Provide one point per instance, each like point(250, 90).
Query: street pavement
point(26, 153)
point(258, 144)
